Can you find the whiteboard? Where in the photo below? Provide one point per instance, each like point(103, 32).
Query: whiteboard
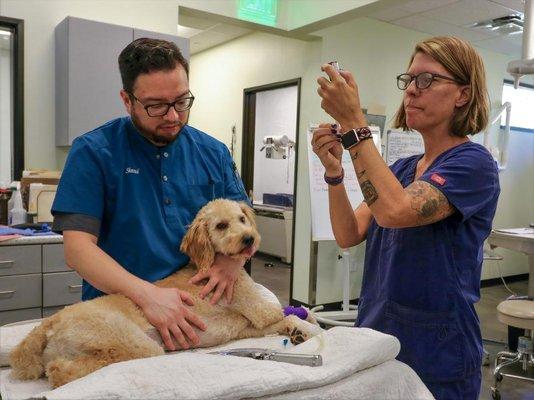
point(321, 227)
point(402, 144)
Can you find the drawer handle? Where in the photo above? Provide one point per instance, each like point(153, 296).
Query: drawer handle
point(6, 264)
point(6, 294)
point(75, 288)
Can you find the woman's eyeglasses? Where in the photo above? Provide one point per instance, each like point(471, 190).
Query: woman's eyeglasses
point(422, 80)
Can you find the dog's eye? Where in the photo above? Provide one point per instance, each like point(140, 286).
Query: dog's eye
point(242, 219)
point(221, 226)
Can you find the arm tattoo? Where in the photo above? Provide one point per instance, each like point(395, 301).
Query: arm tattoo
point(369, 192)
point(360, 174)
point(429, 203)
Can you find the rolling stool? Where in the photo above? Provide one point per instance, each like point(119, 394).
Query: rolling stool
point(518, 313)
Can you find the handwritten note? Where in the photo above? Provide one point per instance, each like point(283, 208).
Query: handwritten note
point(402, 144)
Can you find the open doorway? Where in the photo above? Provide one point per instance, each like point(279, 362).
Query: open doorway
point(269, 159)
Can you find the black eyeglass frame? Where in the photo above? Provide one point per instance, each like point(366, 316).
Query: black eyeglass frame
point(169, 105)
point(416, 78)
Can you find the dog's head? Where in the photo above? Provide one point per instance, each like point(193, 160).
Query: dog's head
point(221, 226)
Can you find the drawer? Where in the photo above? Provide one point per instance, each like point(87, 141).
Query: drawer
point(8, 317)
point(54, 258)
point(16, 260)
point(61, 288)
point(20, 291)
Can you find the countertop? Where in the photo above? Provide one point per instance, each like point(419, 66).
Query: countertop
point(25, 240)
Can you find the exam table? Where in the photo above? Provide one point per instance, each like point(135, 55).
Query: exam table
point(358, 363)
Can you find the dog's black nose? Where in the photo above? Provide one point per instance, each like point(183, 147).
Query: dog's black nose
point(248, 240)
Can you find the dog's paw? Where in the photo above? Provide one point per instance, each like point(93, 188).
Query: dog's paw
point(297, 336)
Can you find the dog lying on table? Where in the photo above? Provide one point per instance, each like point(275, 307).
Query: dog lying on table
point(89, 335)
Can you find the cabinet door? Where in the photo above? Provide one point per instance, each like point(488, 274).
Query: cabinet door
point(182, 43)
point(87, 76)
point(54, 258)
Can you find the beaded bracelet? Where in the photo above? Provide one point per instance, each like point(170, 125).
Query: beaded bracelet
point(336, 180)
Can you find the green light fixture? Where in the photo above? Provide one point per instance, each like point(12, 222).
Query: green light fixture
point(259, 11)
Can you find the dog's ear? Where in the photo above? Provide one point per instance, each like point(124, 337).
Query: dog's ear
point(249, 212)
point(197, 245)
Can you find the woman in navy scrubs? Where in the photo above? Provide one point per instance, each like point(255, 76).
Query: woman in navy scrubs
point(425, 218)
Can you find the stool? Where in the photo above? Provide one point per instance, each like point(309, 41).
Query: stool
point(520, 314)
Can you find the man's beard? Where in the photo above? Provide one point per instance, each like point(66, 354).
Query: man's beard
point(153, 136)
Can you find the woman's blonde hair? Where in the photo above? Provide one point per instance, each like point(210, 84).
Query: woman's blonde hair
point(463, 62)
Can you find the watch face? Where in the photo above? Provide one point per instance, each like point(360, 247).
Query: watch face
point(349, 139)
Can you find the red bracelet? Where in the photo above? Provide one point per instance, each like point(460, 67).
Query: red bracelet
point(336, 180)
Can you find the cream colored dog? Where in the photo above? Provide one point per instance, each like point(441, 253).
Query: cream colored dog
point(90, 335)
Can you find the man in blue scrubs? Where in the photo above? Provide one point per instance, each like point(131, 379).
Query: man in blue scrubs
point(426, 217)
point(131, 187)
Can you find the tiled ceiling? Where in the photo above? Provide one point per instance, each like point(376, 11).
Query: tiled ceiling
point(204, 33)
point(454, 17)
point(434, 17)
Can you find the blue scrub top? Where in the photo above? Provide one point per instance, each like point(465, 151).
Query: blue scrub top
point(420, 284)
point(145, 196)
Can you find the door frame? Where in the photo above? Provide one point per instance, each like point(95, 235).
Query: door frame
point(16, 26)
point(247, 153)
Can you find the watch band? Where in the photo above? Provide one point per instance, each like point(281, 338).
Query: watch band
point(354, 136)
point(335, 180)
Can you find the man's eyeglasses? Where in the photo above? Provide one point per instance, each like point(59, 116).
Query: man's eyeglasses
point(161, 109)
point(422, 80)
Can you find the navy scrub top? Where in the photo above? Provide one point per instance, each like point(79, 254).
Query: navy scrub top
point(144, 196)
point(420, 284)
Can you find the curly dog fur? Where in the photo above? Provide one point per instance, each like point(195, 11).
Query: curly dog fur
point(89, 335)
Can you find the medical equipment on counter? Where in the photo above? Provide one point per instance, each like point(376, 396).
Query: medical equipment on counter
point(310, 360)
point(525, 66)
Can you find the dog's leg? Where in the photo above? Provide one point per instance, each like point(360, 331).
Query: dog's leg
point(249, 303)
point(298, 330)
point(61, 371)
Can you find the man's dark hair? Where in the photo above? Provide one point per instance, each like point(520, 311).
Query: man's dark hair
point(145, 55)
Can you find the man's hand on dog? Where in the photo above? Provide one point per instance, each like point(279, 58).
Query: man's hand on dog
point(167, 309)
point(221, 277)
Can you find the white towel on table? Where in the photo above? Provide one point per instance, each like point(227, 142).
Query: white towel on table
point(195, 375)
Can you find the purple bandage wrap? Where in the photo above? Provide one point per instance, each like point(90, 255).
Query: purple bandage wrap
point(300, 312)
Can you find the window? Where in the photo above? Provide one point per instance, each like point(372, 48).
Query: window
point(11, 100)
point(522, 100)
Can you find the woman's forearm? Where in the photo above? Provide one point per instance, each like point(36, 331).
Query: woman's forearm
point(344, 222)
point(381, 190)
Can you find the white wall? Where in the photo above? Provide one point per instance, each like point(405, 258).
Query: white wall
point(40, 18)
point(276, 115)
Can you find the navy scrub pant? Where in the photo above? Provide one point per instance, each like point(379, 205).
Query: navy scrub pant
point(467, 389)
